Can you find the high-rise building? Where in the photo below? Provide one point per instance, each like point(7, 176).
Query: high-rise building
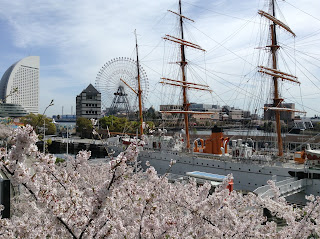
point(88, 103)
point(24, 77)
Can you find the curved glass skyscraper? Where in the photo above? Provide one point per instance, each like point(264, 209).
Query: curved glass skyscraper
point(23, 76)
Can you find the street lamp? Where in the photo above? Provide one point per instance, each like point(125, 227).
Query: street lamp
point(44, 126)
point(67, 140)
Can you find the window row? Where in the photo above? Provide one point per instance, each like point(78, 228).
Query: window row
point(92, 105)
point(91, 112)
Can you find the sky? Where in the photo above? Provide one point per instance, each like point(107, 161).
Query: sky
point(74, 40)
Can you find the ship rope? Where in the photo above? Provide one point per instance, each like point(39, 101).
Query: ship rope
point(300, 66)
point(302, 10)
point(222, 44)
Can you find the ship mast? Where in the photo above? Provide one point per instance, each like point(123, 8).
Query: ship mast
point(275, 73)
point(139, 88)
point(183, 82)
point(276, 100)
point(139, 93)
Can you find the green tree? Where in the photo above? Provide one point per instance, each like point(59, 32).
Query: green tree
point(118, 124)
point(150, 124)
point(37, 122)
point(83, 124)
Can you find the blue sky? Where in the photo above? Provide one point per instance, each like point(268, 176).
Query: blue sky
point(74, 39)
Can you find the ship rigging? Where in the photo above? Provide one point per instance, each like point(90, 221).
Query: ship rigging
point(183, 82)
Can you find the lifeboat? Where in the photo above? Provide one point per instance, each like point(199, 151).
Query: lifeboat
point(313, 156)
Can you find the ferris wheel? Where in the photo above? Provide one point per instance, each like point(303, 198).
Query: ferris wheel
point(118, 85)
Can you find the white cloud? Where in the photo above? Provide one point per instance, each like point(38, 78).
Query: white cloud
point(75, 38)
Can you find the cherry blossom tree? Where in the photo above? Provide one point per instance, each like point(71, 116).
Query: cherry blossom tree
point(82, 199)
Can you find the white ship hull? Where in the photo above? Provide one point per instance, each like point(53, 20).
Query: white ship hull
point(248, 175)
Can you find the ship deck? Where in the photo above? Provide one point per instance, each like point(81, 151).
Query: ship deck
point(289, 163)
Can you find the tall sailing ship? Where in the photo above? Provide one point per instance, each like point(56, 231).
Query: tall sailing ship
point(296, 176)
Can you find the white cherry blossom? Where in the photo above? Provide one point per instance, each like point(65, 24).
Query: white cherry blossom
point(80, 199)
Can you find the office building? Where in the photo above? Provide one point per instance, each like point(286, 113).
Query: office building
point(20, 84)
point(88, 103)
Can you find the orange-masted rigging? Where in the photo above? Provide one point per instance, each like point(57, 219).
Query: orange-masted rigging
point(274, 72)
point(183, 82)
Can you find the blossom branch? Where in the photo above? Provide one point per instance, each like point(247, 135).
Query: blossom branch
point(67, 227)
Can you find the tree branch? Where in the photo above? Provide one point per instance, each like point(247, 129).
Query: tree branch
point(94, 213)
point(67, 227)
point(33, 194)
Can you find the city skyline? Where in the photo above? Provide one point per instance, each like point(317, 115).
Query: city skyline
point(74, 40)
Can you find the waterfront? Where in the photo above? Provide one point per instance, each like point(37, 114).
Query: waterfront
point(292, 142)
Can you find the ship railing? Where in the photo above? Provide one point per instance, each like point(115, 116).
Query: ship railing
point(263, 189)
point(293, 188)
point(173, 178)
point(229, 158)
point(286, 188)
